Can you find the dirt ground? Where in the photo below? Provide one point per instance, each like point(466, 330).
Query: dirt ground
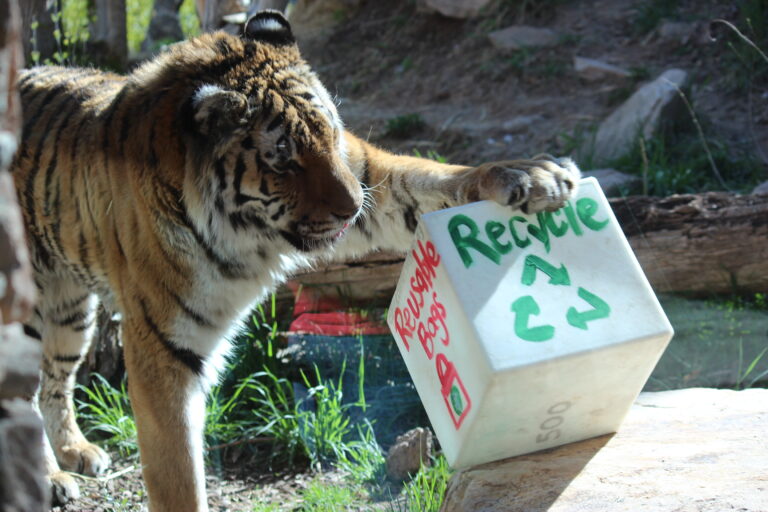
point(479, 103)
point(388, 59)
point(240, 484)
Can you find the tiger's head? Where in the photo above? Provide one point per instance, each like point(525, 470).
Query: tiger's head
point(265, 146)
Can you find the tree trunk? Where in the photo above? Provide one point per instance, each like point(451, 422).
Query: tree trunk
point(105, 355)
point(164, 26)
point(211, 12)
point(108, 43)
point(41, 39)
point(22, 479)
point(695, 243)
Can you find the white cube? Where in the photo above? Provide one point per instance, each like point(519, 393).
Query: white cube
point(524, 332)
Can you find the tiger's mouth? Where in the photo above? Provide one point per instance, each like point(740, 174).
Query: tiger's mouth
point(314, 240)
point(328, 235)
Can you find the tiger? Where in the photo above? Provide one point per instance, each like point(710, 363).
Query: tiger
point(181, 195)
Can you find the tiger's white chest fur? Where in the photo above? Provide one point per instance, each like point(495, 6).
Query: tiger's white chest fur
point(225, 303)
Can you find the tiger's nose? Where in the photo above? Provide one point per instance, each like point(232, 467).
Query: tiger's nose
point(345, 214)
point(346, 204)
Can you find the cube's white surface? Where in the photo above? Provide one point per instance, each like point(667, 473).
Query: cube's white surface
point(536, 338)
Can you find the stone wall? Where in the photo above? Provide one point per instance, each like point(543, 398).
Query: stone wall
point(22, 481)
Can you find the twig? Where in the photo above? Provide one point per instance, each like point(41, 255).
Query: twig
point(699, 129)
point(105, 478)
point(253, 440)
point(644, 155)
point(742, 36)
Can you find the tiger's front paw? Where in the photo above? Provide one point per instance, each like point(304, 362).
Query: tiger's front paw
point(542, 183)
point(64, 488)
point(84, 458)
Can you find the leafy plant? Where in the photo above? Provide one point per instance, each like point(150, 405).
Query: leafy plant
point(742, 375)
point(648, 14)
point(431, 154)
point(318, 497)
point(404, 126)
point(426, 490)
point(363, 459)
point(223, 419)
point(107, 411)
point(746, 39)
point(675, 162)
point(316, 427)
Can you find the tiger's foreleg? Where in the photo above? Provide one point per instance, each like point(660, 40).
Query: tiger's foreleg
point(64, 321)
point(398, 189)
point(168, 401)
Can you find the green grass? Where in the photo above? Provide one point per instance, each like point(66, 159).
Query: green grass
point(318, 497)
point(426, 490)
point(677, 163)
point(75, 19)
point(431, 154)
point(404, 126)
point(745, 67)
point(106, 412)
point(316, 431)
point(674, 161)
point(648, 13)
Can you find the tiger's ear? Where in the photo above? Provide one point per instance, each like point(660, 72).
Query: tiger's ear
point(269, 27)
point(217, 113)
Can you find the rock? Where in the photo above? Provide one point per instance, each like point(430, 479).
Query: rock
point(408, 453)
point(521, 36)
point(611, 180)
point(454, 8)
point(311, 19)
point(761, 189)
point(689, 450)
point(520, 124)
point(677, 33)
point(19, 363)
point(23, 488)
point(592, 70)
point(641, 115)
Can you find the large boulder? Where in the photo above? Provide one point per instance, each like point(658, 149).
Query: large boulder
point(641, 115)
point(701, 450)
point(761, 189)
point(409, 452)
point(23, 487)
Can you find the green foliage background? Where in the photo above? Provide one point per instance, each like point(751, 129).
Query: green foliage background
point(139, 12)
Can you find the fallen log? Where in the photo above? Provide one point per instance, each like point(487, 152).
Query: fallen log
point(699, 243)
point(714, 242)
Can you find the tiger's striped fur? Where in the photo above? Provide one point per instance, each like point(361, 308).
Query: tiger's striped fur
point(183, 194)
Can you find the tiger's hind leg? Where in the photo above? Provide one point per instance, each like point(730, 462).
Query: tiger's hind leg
point(67, 313)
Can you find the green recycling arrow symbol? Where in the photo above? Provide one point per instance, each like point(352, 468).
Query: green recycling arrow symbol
point(524, 308)
point(600, 309)
point(556, 275)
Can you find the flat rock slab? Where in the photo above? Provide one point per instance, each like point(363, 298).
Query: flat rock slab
point(454, 8)
point(701, 450)
point(522, 36)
